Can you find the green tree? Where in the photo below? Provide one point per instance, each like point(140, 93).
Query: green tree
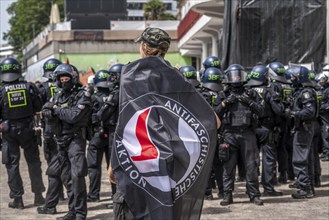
point(166, 16)
point(155, 10)
point(28, 19)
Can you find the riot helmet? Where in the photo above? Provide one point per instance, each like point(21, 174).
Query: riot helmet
point(201, 72)
point(300, 76)
point(10, 70)
point(312, 76)
point(101, 79)
point(49, 67)
point(235, 75)
point(288, 76)
point(211, 61)
point(67, 70)
point(322, 78)
point(276, 72)
point(258, 76)
point(189, 72)
point(212, 79)
point(115, 72)
point(293, 73)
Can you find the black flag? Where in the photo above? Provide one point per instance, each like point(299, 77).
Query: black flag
point(164, 142)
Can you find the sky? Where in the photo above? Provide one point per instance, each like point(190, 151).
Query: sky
point(4, 17)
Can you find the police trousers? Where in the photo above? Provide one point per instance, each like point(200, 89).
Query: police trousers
point(243, 141)
point(21, 134)
point(98, 146)
point(301, 153)
point(266, 140)
point(69, 167)
point(51, 153)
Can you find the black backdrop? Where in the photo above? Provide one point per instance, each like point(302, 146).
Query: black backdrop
point(263, 31)
point(94, 14)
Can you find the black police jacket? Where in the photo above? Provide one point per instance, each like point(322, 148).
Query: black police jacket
point(73, 109)
point(305, 104)
point(109, 112)
point(19, 99)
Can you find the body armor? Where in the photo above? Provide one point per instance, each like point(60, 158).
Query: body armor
point(17, 101)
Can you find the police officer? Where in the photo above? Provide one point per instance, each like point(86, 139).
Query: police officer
point(314, 160)
point(211, 61)
point(189, 72)
point(47, 91)
point(303, 113)
point(268, 132)
point(99, 144)
point(240, 111)
point(109, 112)
point(212, 91)
point(70, 110)
point(48, 88)
point(280, 83)
point(286, 136)
point(323, 80)
point(20, 101)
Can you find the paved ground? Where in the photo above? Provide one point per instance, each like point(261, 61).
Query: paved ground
point(274, 208)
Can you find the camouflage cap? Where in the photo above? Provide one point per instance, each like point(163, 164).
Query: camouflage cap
point(154, 37)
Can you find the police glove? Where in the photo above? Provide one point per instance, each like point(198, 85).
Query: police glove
point(48, 105)
point(245, 99)
point(289, 114)
point(231, 99)
point(47, 113)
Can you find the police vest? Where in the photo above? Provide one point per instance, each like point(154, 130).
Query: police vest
point(50, 88)
point(238, 115)
point(16, 101)
point(287, 96)
point(211, 97)
point(305, 93)
point(112, 121)
point(100, 99)
point(263, 91)
point(68, 102)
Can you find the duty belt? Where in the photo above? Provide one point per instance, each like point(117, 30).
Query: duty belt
point(237, 129)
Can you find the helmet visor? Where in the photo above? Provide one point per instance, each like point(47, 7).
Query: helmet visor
point(64, 68)
point(236, 76)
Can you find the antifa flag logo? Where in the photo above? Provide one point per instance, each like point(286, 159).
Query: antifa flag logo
point(161, 146)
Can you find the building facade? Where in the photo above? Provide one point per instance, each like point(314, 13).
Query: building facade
point(95, 48)
point(6, 51)
point(199, 28)
point(136, 12)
